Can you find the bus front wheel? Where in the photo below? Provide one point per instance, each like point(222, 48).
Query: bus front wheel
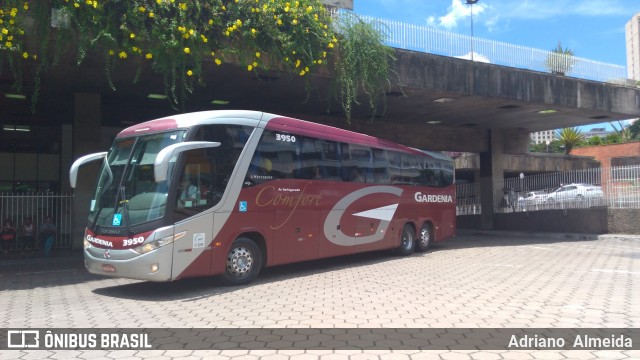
point(407, 240)
point(244, 262)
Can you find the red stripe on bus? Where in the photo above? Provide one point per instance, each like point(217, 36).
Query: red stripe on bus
point(306, 128)
point(149, 126)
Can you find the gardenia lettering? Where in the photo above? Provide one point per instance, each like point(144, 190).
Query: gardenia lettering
point(99, 241)
point(420, 197)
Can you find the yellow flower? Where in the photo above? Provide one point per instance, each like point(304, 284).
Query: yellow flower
point(258, 54)
point(295, 21)
point(297, 63)
point(218, 62)
point(189, 72)
point(249, 67)
point(213, 53)
point(5, 31)
point(142, 9)
point(191, 32)
point(302, 73)
point(210, 22)
point(25, 55)
point(253, 31)
point(255, 64)
point(149, 56)
point(309, 8)
point(183, 6)
point(279, 22)
point(26, 6)
point(331, 45)
point(123, 55)
point(151, 14)
point(239, 22)
point(132, 35)
point(8, 44)
point(111, 52)
point(187, 50)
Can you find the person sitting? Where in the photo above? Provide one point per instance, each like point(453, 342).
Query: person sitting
point(28, 234)
point(8, 235)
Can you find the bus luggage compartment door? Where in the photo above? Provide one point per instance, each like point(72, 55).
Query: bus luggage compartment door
point(192, 251)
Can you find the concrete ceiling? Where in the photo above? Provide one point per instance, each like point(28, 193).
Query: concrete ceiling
point(463, 96)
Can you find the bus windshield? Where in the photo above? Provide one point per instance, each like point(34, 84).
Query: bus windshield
point(126, 192)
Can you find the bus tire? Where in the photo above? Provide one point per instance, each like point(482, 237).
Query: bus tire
point(244, 262)
point(407, 240)
point(425, 238)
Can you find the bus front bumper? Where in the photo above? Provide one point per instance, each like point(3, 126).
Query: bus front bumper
point(152, 266)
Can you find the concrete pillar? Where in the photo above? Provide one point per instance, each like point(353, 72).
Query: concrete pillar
point(87, 121)
point(491, 172)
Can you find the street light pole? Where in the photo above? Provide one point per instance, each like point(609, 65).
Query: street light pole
point(472, 2)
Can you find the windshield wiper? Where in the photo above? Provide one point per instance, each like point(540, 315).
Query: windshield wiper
point(125, 208)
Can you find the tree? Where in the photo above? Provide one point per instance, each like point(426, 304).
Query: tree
point(634, 129)
point(560, 60)
point(570, 138)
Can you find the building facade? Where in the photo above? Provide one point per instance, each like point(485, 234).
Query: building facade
point(542, 137)
point(632, 37)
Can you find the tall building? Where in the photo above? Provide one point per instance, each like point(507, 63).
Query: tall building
point(632, 36)
point(542, 136)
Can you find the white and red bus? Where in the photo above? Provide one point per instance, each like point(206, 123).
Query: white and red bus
point(230, 192)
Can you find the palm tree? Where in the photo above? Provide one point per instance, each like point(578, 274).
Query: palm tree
point(560, 60)
point(570, 138)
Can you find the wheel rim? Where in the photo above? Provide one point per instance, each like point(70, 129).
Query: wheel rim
point(240, 261)
point(425, 236)
point(407, 239)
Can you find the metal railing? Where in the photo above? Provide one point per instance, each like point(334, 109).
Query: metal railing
point(620, 188)
point(17, 207)
point(441, 42)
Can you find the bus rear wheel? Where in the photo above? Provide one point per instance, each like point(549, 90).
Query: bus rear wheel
point(407, 240)
point(244, 262)
point(425, 239)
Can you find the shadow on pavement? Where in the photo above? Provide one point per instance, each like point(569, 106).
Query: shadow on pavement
point(193, 289)
point(67, 267)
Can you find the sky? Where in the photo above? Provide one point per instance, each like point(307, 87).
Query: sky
point(593, 29)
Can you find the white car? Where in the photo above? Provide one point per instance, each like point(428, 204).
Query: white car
point(532, 197)
point(575, 192)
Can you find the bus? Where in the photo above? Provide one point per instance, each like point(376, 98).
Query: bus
point(230, 192)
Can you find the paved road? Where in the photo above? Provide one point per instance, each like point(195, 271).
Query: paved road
point(472, 281)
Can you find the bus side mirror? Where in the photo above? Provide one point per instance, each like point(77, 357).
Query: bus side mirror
point(73, 172)
point(161, 164)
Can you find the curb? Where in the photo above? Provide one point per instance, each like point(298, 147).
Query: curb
point(555, 236)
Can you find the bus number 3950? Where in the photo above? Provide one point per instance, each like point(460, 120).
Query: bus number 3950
point(133, 241)
point(286, 138)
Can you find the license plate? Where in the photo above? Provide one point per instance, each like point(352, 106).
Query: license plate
point(108, 268)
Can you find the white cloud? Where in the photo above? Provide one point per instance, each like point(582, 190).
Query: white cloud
point(457, 12)
point(493, 13)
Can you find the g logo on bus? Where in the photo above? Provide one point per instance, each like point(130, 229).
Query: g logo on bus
point(107, 254)
point(384, 214)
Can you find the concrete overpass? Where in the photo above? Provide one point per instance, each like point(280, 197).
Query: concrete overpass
point(441, 103)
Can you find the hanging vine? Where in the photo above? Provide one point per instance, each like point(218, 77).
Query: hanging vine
point(175, 37)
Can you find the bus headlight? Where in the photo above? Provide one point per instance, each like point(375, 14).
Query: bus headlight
point(87, 244)
point(157, 244)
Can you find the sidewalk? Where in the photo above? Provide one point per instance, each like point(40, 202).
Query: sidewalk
point(59, 258)
point(546, 235)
